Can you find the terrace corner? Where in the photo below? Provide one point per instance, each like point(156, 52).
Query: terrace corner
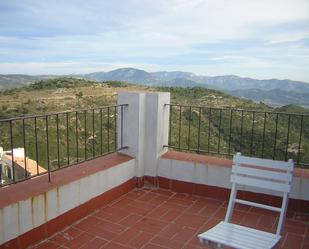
point(35, 209)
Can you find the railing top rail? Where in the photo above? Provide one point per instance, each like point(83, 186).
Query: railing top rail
point(57, 113)
point(56, 143)
point(239, 109)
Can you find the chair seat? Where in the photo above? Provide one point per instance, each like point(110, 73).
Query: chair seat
point(239, 236)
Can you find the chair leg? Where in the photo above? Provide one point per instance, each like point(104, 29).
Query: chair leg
point(204, 241)
point(212, 244)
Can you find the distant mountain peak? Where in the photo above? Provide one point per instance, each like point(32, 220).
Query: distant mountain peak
point(128, 69)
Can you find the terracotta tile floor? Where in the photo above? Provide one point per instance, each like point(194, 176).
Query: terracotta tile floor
point(158, 219)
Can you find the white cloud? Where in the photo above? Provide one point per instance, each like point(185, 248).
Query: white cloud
point(211, 20)
point(71, 36)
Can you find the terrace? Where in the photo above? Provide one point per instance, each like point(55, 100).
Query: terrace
point(137, 193)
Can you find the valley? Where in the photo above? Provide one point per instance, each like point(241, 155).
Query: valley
point(273, 92)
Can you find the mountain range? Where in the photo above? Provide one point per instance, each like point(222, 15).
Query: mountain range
point(226, 82)
point(270, 91)
point(17, 80)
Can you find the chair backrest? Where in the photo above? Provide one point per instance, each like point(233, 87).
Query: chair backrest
point(264, 174)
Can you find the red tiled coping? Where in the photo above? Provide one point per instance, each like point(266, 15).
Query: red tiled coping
point(220, 193)
point(40, 185)
point(196, 158)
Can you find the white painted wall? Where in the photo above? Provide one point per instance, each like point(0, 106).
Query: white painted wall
point(219, 176)
point(156, 130)
point(134, 127)
point(17, 152)
point(145, 130)
point(25, 215)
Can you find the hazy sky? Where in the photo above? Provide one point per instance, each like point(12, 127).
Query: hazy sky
point(254, 38)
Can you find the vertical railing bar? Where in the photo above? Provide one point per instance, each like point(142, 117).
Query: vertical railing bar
point(209, 123)
point(299, 141)
point(189, 131)
point(241, 130)
point(115, 121)
point(179, 132)
point(36, 145)
point(58, 143)
point(85, 138)
point(219, 134)
point(25, 149)
point(170, 127)
point(76, 133)
point(252, 133)
point(199, 130)
point(108, 124)
point(230, 135)
point(101, 131)
point(47, 146)
point(275, 142)
point(93, 148)
point(68, 141)
point(12, 147)
point(287, 139)
point(1, 175)
point(280, 149)
point(263, 138)
point(121, 117)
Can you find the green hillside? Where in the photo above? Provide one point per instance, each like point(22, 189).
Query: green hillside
point(92, 129)
point(61, 94)
point(219, 134)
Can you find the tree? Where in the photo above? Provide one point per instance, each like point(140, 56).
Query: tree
point(79, 95)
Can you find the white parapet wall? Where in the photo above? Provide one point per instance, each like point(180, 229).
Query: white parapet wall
point(143, 130)
point(25, 215)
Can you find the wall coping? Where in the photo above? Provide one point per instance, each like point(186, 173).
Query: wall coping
point(23, 190)
point(223, 162)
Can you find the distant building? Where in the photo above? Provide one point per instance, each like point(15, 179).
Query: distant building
point(23, 166)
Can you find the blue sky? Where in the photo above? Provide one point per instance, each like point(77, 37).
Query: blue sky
point(252, 38)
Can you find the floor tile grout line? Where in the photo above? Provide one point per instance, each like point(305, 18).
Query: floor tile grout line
point(185, 244)
point(182, 207)
point(151, 241)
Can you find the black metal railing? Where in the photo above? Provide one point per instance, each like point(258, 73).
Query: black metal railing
point(53, 141)
point(225, 131)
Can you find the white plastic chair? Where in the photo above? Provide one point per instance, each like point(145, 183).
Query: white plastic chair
point(258, 173)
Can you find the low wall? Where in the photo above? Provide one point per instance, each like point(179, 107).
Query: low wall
point(35, 209)
point(210, 176)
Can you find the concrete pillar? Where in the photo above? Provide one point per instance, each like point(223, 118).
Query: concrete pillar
point(156, 130)
point(145, 128)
